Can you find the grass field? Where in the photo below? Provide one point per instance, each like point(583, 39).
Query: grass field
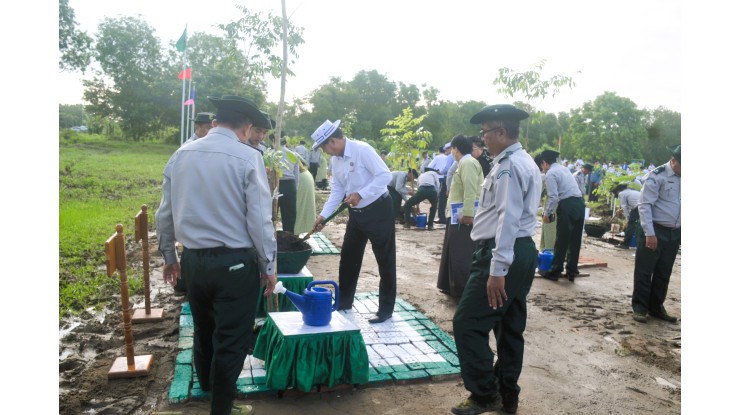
point(101, 183)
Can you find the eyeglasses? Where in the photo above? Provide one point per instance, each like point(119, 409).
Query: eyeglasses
point(484, 132)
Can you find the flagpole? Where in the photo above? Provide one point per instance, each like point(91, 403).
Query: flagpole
point(182, 101)
point(190, 86)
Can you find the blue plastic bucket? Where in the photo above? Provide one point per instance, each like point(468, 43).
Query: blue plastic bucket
point(544, 260)
point(633, 240)
point(421, 220)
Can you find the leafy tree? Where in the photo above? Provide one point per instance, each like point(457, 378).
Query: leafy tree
point(408, 95)
point(259, 34)
point(130, 56)
point(74, 45)
point(663, 129)
point(406, 136)
point(446, 119)
point(531, 84)
point(71, 115)
point(609, 128)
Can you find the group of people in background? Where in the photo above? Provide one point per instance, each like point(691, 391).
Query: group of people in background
point(485, 189)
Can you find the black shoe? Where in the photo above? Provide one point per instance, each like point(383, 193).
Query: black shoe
point(663, 315)
point(639, 317)
point(623, 246)
point(441, 222)
point(379, 318)
point(571, 277)
point(430, 228)
point(471, 407)
point(510, 402)
point(551, 275)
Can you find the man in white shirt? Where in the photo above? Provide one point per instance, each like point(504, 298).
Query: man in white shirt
point(428, 190)
point(360, 179)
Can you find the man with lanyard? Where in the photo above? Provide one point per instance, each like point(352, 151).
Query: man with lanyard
point(658, 239)
point(502, 270)
point(427, 190)
point(202, 122)
point(359, 179)
point(229, 241)
point(564, 198)
point(628, 200)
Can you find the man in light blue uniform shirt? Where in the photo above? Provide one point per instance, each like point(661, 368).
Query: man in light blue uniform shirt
point(658, 239)
point(360, 179)
point(495, 297)
point(216, 202)
point(564, 198)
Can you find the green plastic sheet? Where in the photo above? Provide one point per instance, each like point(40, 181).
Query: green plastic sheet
point(307, 360)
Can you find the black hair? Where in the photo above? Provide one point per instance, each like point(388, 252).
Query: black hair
point(618, 188)
point(441, 149)
point(337, 133)
point(550, 158)
point(414, 173)
point(462, 144)
point(303, 141)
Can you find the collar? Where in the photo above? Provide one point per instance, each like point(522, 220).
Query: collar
point(464, 157)
point(507, 151)
point(223, 131)
point(348, 145)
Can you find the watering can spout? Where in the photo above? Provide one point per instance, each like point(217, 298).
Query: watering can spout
point(297, 300)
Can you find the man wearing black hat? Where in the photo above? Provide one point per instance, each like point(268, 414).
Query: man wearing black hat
point(658, 239)
point(502, 269)
point(216, 202)
point(566, 200)
point(360, 180)
point(259, 131)
point(203, 122)
point(582, 178)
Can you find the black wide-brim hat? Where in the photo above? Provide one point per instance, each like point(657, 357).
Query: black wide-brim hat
point(204, 117)
point(240, 105)
point(675, 152)
point(502, 112)
point(590, 167)
point(267, 123)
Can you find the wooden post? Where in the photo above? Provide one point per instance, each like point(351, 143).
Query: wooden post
point(130, 365)
point(141, 233)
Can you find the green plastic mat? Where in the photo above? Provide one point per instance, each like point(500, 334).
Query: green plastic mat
point(409, 346)
point(321, 245)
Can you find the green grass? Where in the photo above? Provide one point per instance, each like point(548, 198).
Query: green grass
point(101, 183)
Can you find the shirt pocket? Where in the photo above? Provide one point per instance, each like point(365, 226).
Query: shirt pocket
point(669, 191)
point(486, 198)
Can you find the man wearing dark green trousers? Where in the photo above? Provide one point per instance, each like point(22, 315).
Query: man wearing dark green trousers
point(658, 239)
point(427, 190)
point(502, 270)
point(563, 198)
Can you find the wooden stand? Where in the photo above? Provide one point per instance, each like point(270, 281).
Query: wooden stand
point(116, 259)
point(141, 233)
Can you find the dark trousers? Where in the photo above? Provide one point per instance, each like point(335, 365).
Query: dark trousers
point(313, 168)
point(633, 222)
point(442, 200)
point(374, 222)
point(422, 193)
point(653, 269)
point(287, 204)
point(223, 303)
point(571, 215)
point(474, 320)
point(454, 265)
point(397, 199)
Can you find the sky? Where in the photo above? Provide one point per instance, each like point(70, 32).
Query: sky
point(632, 47)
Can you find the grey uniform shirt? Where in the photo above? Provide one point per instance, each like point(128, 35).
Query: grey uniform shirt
point(215, 193)
point(660, 200)
point(581, 181)
point(429, 179)
point(508, 205)
point(450, 173)
point(314, 156)
point(191, 139)
point(290, 169)
point(302, 151)
point(398, 182)
point(628, 199)
point(560, 185)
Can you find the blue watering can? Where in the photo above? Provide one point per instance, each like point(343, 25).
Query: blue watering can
point(316, 302)
point(544, 260)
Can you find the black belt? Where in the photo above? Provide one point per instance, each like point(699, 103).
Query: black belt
point(219, 250)
point(371, 205)
point(427, 185)
point(484, 242)
point(655, 225)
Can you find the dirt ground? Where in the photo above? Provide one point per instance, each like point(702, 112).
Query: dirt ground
point(584, 353)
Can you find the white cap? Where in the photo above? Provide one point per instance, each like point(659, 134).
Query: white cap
point(323, 132)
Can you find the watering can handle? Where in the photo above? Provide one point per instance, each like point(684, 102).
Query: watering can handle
point(336, 291)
